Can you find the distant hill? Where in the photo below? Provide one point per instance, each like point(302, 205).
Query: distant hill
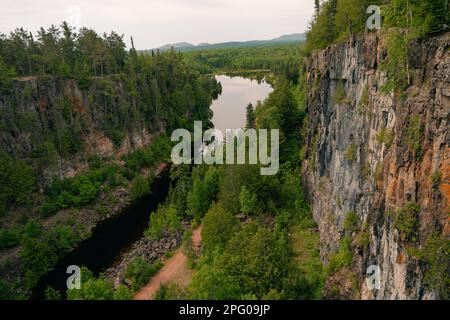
point(185, 46)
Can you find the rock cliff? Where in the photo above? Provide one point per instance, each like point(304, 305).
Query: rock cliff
point(372, 154)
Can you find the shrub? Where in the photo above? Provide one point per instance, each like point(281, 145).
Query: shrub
point(351, 222)
point(406, 221)
point(9, 238)
point(139, 188)
point(52, 294)
point(414, 135)
point(48, 209)
point(170, 291)
point(218, 226)
point(385, 137)
point(341, 259)
point(436, 253)
point(139, 272)
point(123, 293)
point(164, 219)
point(435, 180)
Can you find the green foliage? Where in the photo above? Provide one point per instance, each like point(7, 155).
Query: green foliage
point(165, 219)
point(435, 254)
point(123, 293)
point(139, 188)
point(139, 272)
point(211, 283)
point(169, 291)
point(40, 250)
point(414, 135)
point(204, 190)
point(422, 17)
point(396, 63)
point(248, 201)
point(218, 227)
point(9, 238)
point(351, 222)
point(250, 117)
point(256, 259)
point(92, 288)
point(406, 221)
point(385, 136)
point(5, 291)
point(52, 294)
point(341, 259)
point(17, 181)
point(363, 238)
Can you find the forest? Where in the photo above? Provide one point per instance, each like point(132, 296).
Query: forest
point(259, 239)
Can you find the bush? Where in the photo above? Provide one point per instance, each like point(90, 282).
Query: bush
point(406, 221)
point(436, 180)
point(139, 272)
point(52, 294)
point(9, 238)
point(170, 291)
point(48, 209)
point(436, 254)
point(92, 288)
point(385, 137)
point(17, 181)
point(123, 293)
point(139, 188)
point(218, 227)
point(351, 222)
point(341, 259)
point(164, 219)
point(414, 135)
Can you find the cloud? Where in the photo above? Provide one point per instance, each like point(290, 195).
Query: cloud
point(156, 22)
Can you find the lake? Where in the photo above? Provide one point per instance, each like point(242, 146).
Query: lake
point(237, 92)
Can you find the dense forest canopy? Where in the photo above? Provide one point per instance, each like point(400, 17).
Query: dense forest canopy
point(337, 20)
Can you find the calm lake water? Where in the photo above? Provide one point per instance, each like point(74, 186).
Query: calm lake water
point(237, 92)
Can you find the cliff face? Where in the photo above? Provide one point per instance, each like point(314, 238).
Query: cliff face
point(56, 125)
point(360, 159)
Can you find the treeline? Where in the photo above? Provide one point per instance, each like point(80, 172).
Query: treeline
point(85, 84)
point(61, 51)
point(279, 59)
point(337, 20)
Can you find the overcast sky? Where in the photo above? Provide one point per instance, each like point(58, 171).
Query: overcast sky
point(153, 23)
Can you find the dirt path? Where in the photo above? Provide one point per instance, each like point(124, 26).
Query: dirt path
point(175, 270)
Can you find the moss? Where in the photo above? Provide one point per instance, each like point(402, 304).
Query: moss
point(406, 221)
point(350, 153)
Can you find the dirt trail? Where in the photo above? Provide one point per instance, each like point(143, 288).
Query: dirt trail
point(175, 270)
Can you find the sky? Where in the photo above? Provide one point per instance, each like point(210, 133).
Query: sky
point(154, 23)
